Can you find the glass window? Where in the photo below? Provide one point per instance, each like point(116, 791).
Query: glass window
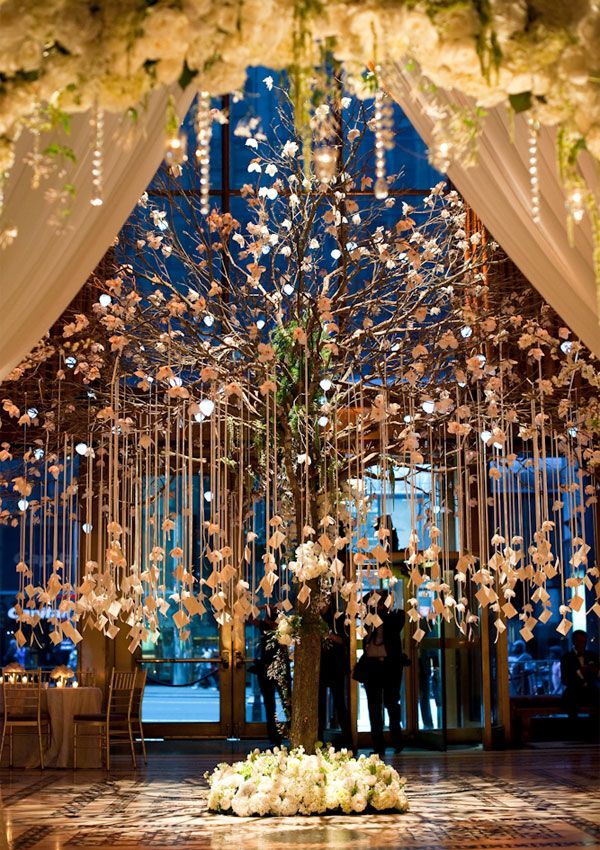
point(41, 551)
point(534, 666)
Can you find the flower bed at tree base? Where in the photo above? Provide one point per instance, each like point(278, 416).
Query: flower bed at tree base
point(279, 782)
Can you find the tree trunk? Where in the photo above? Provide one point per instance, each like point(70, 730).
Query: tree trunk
point(304, 729)
point(305, 695)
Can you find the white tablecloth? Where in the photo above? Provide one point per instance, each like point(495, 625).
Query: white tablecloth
point(62, 705)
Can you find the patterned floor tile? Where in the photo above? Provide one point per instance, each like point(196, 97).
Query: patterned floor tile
point(524, 800)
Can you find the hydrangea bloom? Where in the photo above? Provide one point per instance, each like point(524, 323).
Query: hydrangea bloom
point(284, 783)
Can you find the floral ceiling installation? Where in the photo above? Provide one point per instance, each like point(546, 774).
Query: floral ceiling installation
point(204, 428)
point(537, 57)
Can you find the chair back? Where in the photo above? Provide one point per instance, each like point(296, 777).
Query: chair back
point(87, 677)
point(22, 695)
point(120, 694)
point(13, 673)
point(138, 695)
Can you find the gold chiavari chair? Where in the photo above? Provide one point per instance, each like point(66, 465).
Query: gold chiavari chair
point(23, 709)
point(136, 710)
point(115, 724)
point(13, 673)
point(87, 677)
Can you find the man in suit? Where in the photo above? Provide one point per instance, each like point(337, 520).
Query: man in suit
point(383, 673)
point(579, 669)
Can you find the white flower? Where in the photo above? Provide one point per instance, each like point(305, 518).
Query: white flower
point(310, 562)
point(285, 784)
point(290, 149)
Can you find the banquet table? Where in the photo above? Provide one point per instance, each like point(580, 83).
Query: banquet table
point(62, 704)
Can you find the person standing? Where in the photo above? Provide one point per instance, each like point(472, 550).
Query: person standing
point(382, 676)
point(428, 685)
point(385, 522)
point(272, 670)
point(580, 672)
point(522, 679)
point(555, 679)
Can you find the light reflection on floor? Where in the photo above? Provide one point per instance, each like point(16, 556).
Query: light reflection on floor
point(525, 800)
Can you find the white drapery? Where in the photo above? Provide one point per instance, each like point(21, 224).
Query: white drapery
point(497, 188)
point(41, 272)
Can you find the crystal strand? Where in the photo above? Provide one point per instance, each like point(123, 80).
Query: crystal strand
point(575, 204)
point(97, 161)
point(325, 162)
point(176, 151)
point(381, 187)
point(203, 136)
point(534, 186)
point(175, 143)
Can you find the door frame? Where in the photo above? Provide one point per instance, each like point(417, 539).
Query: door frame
point(232, 724)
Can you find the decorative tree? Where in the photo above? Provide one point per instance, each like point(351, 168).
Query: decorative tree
point(286, 362)
point(302, 322)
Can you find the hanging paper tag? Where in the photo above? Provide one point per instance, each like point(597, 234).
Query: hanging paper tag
point(304, 594)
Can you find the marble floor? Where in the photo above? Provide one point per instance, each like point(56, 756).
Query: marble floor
point(522, 800)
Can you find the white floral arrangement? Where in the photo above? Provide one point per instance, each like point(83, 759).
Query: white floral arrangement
point(311, 562)
point(62, 673)
point(14, 667)
point(287, 629)
point(284, 783)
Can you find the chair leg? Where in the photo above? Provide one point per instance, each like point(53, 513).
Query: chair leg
point(2, 743)
point(74, 746)
point(10, 746)
point(143, 741)
point(107, 742)
point(131, 744)
point(41, 745)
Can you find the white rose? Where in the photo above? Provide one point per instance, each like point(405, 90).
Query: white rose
point(458, 53)
point(166, 35)
point(359, 802)
point(510, 17)
point(573, 66)
point(78, 29)
point(27, 56)
point(169, 70)
point(221, 78)
point(420, 33)
point(197, 9)
point(520, 83)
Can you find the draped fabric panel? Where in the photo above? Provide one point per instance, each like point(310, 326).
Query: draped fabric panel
point(42, 271)
point(497, 188)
